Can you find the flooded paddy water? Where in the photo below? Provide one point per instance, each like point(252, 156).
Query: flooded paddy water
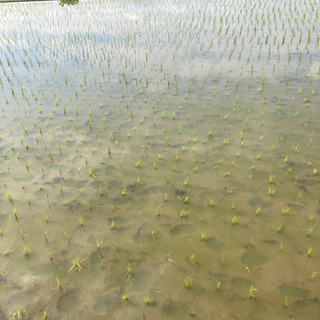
point(160, 160)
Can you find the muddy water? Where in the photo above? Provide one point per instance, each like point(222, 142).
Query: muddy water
point(137, 135)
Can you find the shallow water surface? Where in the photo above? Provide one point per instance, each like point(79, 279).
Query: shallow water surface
point(160, 160)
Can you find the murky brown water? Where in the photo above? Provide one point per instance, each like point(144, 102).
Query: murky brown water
point(147, 147)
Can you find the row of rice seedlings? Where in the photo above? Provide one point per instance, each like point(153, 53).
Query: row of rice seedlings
point(222, 23)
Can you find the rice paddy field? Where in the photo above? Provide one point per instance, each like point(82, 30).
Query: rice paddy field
point(160, 160)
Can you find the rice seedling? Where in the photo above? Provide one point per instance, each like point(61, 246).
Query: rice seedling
point(285, 210)
point(272, 179)
point(154, 234)
point(281, 246)
point(143, 248)
point(285, 302)
point(219, 282)
point(6, 251)
point(203, 236)
point(258, 209)
point(50, 255)
point(77, 264)
point(183, 213)
point(128, 275)
point(28, 200)
point(123, 192)
point(9, 197)
point(295, 149)
point(125, 298)
point(15, 213)
point(116, 244)
point(147, 300)
point(21, 233)
point(44, 316)
point(313, 275)
point(59, 284)
point(188, 282)
point(138, 163)
point(279, 229)
point(45, 236)
point(68, 202)
point(310, 250)
point(229, 190)
point(170, 259)
point(251, 292)
point(235, 220)
point(272, 191)
point(299, 196)
point(212, 201)
point(26, 250)
point(113, 224)
point(310, 217)
point(193, 260)
point(67, 237)
point(20, 314)
point(2, 275)
point(310, 229)
point(99, 243)
point(80, 220)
